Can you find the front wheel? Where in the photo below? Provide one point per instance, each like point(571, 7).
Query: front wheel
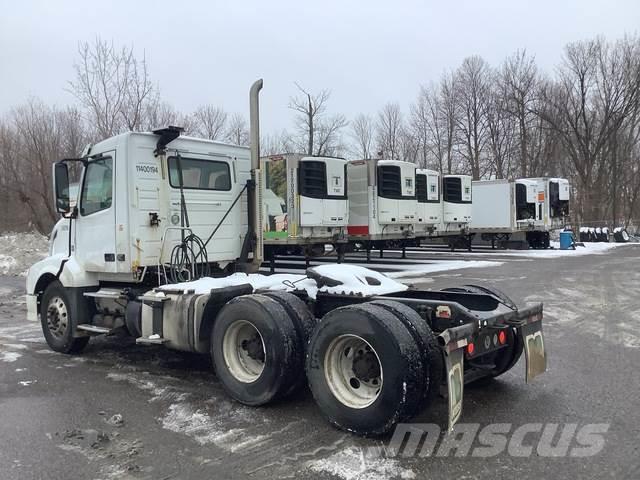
point(56, 320)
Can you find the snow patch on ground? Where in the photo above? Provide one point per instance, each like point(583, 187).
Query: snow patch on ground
point(182, 418)
point(353, 463)
point(18, 251)
point(589, 248)
point(147, 385)
point(417, 270)
point(9, 357)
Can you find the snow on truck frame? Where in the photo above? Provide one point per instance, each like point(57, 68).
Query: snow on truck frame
point(377, 357)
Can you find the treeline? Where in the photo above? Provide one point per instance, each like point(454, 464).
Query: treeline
point(581, 121)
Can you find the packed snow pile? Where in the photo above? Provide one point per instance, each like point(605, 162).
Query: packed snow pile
point(18, 251)
point(330, 278)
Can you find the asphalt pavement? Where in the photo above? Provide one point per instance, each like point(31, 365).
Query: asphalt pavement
point(125, 411)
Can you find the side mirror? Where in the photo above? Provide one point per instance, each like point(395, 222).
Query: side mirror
point(61, 187)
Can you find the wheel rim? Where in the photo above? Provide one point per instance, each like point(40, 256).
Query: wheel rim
point(57, 317)
point(243, 351)
point(353, 371)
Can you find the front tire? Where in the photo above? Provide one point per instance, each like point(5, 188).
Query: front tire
point(57, 322)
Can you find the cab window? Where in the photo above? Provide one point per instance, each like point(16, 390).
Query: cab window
point(199, 174)
point(97, 188)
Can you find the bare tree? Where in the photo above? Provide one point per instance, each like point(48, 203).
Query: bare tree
point(389, 130)
point(276, 143)
point(500, 132)
point(597, 86)
point(210, 122)
point(113, 86)
point(237, 130)
point(472, 90)
point(519, 85)
point(309, 108)
point(31, 141)
point(433, 123)
point(328, 140)
point(160, 114)
point(362, 133)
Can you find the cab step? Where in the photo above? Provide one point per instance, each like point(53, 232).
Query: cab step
point(93, 329)
point(153, 340)
point(112, 293)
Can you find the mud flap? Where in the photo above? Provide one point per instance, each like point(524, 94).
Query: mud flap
point(534, 351)
point(454, 361)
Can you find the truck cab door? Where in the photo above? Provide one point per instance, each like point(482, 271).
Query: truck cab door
point(95, 239)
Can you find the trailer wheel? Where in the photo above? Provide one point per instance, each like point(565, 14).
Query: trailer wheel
point(364, 369)
point(57, 325)
point(303, 322)
point(432, 359)
point(255, 349)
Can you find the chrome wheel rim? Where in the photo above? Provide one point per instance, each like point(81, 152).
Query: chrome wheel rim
point(353, 371)
point(57, 317)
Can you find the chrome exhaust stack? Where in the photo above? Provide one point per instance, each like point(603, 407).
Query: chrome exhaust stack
point(255, 193)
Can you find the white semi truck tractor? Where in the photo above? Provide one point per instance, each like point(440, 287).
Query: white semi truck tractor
point(163, 243)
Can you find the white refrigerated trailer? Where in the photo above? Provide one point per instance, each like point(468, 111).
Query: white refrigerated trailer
point(305, 206)
point(429, 207)
point(452, 213)
point(378, 355)
point(518, 214)
point(382, 203)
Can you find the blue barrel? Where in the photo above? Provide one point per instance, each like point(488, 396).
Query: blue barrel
point(566, 240)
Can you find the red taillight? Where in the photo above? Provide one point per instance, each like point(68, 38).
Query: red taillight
point(502, 337)
point(471, 348)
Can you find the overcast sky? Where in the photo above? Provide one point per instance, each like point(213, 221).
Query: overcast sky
point(366, 52)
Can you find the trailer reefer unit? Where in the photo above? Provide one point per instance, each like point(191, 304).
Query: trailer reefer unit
point(380, 352)
point(456, 203)
point(549, 211)
point(304, 202)
point(382, 199)
point(552, 202)
point(429, 206)
point(513, 213)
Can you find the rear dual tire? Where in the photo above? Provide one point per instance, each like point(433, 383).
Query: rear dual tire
point(258, 345)
point(367, 367)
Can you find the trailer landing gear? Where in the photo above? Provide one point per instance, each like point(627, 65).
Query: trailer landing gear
point(461, 241)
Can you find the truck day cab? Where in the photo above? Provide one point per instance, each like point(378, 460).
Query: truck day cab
point(157, 245)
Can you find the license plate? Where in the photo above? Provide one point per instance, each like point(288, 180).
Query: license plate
point(455, 384)
point(534, 350)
